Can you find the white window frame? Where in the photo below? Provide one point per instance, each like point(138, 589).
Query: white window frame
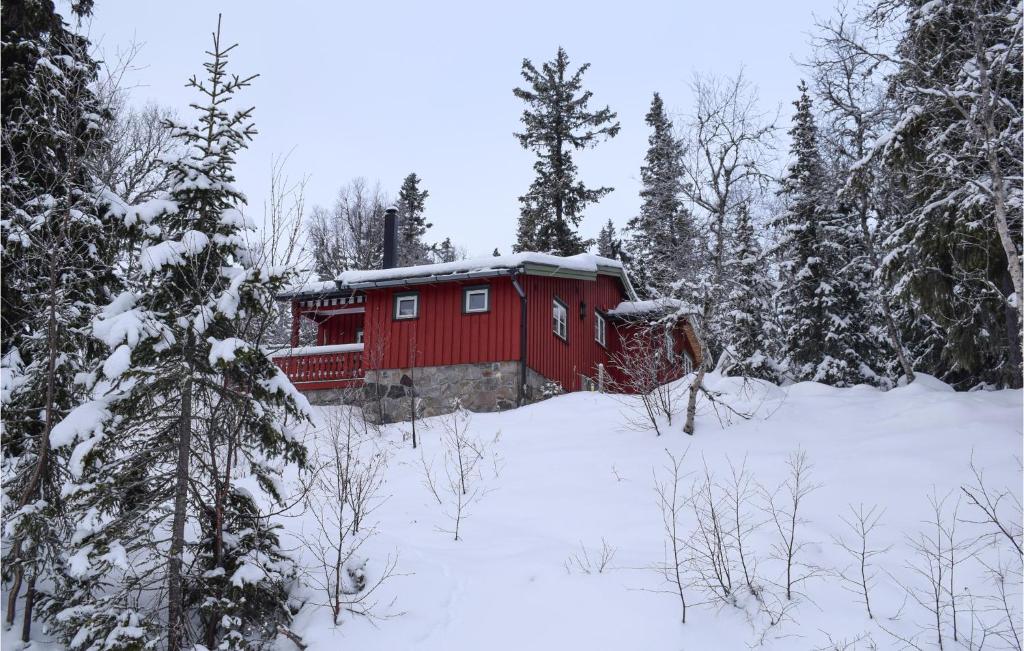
point(415, 298)
point(486, 291)
point(560, 324)
point(600, 330)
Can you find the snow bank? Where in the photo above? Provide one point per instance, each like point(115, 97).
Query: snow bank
point(573, 472)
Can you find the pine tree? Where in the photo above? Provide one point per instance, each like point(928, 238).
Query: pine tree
point(59, 251)
point(185, 403)
point(608, 243)
point(556, 122)
point(751, 335)
point(413, 225)
point(660, 240)
point(956, 144)
point(444, 251)
point(496, 253)
point(815, 302)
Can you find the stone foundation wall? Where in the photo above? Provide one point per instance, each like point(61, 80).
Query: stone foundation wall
point(387, 394)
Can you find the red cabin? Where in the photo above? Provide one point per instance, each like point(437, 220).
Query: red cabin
point(492, 333)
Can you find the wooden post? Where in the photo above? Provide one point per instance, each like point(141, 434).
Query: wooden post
point(295, 324)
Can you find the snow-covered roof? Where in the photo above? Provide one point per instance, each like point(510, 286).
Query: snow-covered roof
point(660, 305)
point(583, 265)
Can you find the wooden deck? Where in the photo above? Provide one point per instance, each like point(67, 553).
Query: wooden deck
point(312, 368)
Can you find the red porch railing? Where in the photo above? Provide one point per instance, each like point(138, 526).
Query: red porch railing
point(322, 367)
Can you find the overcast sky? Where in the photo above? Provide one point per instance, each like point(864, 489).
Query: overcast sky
point(380, 89)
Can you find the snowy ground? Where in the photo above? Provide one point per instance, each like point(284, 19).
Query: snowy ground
point(572, 473)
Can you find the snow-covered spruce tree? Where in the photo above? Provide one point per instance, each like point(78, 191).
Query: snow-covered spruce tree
point(821, 340)
point(58, 261)
point(556, 122)
point(660, 238)
point(183, 407)
point(608, 243)
point(956, 149)
point(413, 225)
point(751, 339)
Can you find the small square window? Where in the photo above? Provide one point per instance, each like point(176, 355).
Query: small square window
point(560, 319)
point(407, 306)
point(600, 329)
point(476, 299)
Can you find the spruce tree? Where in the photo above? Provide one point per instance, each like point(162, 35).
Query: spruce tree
point(608, 243)
point(413, 225)
point(956, 150)
point(557, 121)
point(60, 246)
point(815, 301)
point(660, 240)
point(185, 404)
point(750, 332)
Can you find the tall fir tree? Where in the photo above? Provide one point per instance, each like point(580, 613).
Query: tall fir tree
point(608, 243)
point(60, 247)
point(956, 150)
point(413, 225)
point(822, 342)
point(660, 238)
point(752, 337)
point(184, 405)
point(558, 121)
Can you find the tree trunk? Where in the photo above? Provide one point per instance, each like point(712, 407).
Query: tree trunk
point(175, 614)
point(691, 405)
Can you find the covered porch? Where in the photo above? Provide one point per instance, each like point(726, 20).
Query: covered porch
point(333, 357)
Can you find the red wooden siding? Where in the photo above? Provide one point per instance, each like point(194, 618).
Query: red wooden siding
point(442, 334)
point(339, 329)
point(564, 361)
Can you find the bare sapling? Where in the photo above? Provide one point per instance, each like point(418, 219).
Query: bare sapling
point(585, 563)
point(345, 490)
point(672, 504)
point(709, 545)
point(783, 508)
point(645, 369)
point(936, 557)
point(458, 485)
point(740, 493)
point(859, 577)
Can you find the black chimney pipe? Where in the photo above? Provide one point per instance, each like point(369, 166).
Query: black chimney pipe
point(390, 238)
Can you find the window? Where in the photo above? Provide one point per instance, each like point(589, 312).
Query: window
point(359, 336)
point(560, 319)
point(599, 329)
point(407, 306)
point(476, 299)
point(687, 363)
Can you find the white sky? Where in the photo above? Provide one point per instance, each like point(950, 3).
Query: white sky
point(380, 89)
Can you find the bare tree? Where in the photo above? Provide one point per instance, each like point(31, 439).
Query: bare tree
point(645, 370)
point(459, 484)
point(861, 578)
point(582, 562)
point(672, 505)
point(728, 145)
point(783, 508)
point(345, 490)
point(350, 235)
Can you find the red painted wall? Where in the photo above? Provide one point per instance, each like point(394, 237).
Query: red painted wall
point(564, 361)
point(339, 329)
point(442, 334)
